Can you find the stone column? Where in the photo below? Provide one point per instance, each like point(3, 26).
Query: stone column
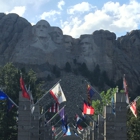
point(35, 124)
point(100, 127)
point(108, 124)
point(92, 130)
point(121, 117)
point(24, 118)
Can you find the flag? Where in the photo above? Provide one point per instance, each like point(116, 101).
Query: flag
point(133, 108)
point(88, 109)
point(68, 132)
point(113, 105)
point(61, 113)
point(32, 106)
point(54, 108)
point(25, 94)
point(90, 93)
point(78, 121)
point(53, 130)
point(3, 96)
point(58, 94)
point(10, 105)
point(125, 89)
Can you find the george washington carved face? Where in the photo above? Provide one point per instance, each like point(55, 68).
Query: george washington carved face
point(42, 28)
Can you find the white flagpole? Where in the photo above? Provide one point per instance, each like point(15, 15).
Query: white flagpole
point(136, 99)
point(43, 114)
point(47, 92)
point(56, 113)
point(12, 101)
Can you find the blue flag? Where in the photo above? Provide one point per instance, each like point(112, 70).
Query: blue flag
point(113, 105)
point(3, 96)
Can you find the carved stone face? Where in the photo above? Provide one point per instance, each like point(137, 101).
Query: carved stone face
point(41, 28)
point(68, 42)
point(86, 46)
point(57, 35)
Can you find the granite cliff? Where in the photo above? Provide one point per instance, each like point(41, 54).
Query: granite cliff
point(42, 46)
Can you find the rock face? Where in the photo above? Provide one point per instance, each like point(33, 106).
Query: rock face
point(42, 46)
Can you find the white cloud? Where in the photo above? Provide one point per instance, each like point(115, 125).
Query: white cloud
point(18, 10)
point(60, 4)
point(113, 17)
point(49, 14)
point(81, 7)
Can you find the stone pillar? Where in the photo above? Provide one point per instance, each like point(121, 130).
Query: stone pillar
point(35, 124)
point(121, 117)
point(24, 118)
point(108, 124)
point(88, 132)
point(100, 127)
point(92, 130)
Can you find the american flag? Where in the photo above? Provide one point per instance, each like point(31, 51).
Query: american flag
point(54, 108)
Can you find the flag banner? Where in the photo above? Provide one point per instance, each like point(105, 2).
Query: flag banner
point(53, 130)
point(58, 94)
point(91, 92)
point(25, 94)
point(68, 132)
point(78, 121)
point(125, 89)
point(61, 113)
point(133, 108)
point(88, 109)
point(3, 96)
point(54, 108)
point(113, 105)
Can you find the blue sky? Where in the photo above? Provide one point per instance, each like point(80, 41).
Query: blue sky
point(76, 17)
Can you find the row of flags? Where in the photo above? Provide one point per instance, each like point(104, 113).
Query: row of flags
point(59, 97)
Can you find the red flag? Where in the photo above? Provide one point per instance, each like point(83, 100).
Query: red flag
point(24, 91)
point(133, 108)
point(88, 109)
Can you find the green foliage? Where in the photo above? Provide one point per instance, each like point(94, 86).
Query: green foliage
point(10, 84)
point(105, 100)
point(133, 124)
point(84, 70)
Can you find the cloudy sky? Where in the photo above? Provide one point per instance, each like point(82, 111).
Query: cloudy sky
point(76, 17)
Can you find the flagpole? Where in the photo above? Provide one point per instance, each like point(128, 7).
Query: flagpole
point(12, 101)
point(47, 92)
point(61, 135)
point(56, 113)
point(43, 114)
point(136, 99)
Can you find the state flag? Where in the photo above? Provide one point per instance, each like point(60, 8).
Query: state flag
point(58, 94)
point(25, 94)
point(88, 109)
point(133, 108)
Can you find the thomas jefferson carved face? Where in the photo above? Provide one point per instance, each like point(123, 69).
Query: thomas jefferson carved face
point(57, 35)
point(41, 28)
point(86, 46)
